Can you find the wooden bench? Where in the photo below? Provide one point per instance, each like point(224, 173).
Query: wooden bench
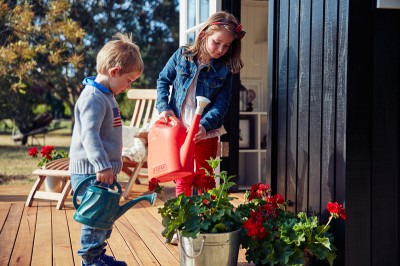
point(54, 169)
point(144, 112)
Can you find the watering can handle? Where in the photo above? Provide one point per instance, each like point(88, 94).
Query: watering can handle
point(92, 177)
point(172, 121)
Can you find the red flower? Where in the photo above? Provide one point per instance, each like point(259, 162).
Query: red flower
point(205, 201)
point(259, 191)
point(48, 154)
point(336, 210)
point(255, 228)
point(279, 198)
point(46, 151)
point(203, 182)
point(153, 184)
point(33, 152)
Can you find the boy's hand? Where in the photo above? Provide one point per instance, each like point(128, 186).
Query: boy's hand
point(106, 176)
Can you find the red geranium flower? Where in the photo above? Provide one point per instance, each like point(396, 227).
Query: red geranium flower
point(155, 186)
point(33, 152)
point(203, 182)
point(48, 154)
point(279, 199)
point(259, 191)
point(46, 151)
point(336, 210)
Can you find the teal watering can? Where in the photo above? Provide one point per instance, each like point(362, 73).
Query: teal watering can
point(100, 207)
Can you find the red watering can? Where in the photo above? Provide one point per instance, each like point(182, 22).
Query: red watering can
point(171, 148)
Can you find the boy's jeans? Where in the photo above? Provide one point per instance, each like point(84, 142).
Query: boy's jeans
point(92, 239)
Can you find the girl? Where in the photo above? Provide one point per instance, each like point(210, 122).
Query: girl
point(203, 69)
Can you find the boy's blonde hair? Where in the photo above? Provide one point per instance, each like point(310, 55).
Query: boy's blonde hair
point(229, 22)
point(121, 52)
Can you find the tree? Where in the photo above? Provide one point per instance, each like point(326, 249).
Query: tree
point(42, 49)
point(49, 46)
point(154, 25)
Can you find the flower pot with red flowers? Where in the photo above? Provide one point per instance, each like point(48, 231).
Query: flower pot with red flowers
point(48, 153)
point(208, 227)
point(272, 235)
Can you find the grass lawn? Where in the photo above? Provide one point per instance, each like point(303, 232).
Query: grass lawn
point(16, 165)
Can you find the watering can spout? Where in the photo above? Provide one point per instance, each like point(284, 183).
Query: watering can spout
point(187, 149)
point(124, 208)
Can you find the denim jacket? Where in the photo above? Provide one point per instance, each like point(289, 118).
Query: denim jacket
point(214, 83)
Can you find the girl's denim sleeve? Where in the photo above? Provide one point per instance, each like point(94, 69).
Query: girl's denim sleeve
point(217, 109)
point(165, 80)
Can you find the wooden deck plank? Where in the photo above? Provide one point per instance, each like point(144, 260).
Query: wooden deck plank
point(119, 249)
point(155, 226)
point(44, 233)
point(4, 209)
point(42, 246)
point(151, 238)
point(62, 252)
point(74, 234)
point(22, 251)
point(9, 232)
point(139, 250)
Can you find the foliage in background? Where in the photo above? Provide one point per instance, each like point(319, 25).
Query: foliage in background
point(41, 50)
point(48, 47)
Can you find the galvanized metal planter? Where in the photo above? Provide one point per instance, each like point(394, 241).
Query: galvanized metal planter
point(210, 249)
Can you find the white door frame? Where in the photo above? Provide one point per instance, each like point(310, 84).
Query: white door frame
point(214, 6)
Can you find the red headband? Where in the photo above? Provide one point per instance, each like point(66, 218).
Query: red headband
point(237, 29)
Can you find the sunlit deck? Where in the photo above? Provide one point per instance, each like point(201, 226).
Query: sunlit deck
point(43, 235)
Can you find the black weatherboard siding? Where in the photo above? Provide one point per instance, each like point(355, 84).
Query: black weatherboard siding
point(333, 84)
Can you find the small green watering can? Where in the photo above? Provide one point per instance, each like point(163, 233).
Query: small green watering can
point(100, 207)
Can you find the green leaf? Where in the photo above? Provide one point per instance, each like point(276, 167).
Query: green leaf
point(323, 240)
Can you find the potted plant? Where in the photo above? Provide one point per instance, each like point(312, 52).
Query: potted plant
point(272, 235)
point(206, 223)
point(48, 153)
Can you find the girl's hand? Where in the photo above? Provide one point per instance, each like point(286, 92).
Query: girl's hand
point(106, 176)
point(201, 134)
point(165, 114)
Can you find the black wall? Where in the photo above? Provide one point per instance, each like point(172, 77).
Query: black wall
point(372, 167)
point(230, 163)
point(333, 82)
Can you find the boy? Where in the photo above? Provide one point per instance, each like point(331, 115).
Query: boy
point(96, 144)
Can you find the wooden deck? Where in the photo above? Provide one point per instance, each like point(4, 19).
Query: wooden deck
point(42, 235)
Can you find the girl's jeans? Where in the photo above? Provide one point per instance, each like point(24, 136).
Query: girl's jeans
point(203, 150)
point(92, 239)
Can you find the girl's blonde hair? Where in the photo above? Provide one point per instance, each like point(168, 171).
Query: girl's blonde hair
point(121, 52)
point(214, 23)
